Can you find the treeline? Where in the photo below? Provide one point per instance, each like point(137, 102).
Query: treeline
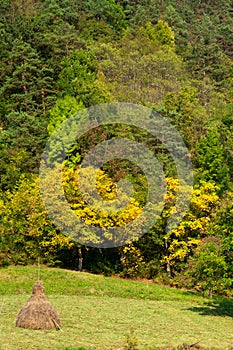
point(60, 56)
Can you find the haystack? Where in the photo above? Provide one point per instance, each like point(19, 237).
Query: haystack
point(38, 313)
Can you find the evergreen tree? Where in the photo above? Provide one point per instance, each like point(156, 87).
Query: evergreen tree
point(28, 84)
point(210, 160)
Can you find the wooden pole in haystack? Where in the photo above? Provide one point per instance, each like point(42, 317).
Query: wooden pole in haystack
point(38, 313)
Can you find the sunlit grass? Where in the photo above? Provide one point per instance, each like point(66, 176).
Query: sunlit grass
point(98, 313)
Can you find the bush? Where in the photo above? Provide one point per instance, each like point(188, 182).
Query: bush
point(4, 261)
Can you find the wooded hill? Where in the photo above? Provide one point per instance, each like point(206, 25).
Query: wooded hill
point(60, 56)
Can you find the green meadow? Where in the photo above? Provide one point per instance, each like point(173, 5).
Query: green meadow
point(106, 313)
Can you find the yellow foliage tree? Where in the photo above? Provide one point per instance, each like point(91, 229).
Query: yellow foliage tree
point(180, 241)
point(100, 203)
point(26, 228)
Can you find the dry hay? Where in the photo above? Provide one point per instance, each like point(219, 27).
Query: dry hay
point(38, 313)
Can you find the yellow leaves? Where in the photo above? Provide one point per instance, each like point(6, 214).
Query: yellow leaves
point(132, 260)
point(179, 250)
point(196, 222)
point(26, 216)
point(200, 224)
point(1, 206)
point(172, 190)
point(205, 199)
point(98, 212)
point(58, 240)
point(161, 33)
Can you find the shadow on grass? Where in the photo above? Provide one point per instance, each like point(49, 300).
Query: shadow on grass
point(223, 307)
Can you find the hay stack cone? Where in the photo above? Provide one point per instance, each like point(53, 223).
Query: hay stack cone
point(38, 313)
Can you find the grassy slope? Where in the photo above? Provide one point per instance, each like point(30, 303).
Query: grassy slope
point(98, 313)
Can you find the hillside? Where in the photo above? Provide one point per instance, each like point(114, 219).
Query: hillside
point(99, 313)
point(60, 58)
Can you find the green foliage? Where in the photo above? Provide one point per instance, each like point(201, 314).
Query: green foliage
point(27, 85)
point(22, 139)
point(223, 228)
point(79, 78)
point(58, 57)
point(103, 18)
point(178, 24)
point(138, 69)
point(63, 109)
point(210, 160)
point(186, 112)
point(161, 33)
point(208, 266)
point(79, 69)
point(140, 11)
point(13, 164)
point(205, 57)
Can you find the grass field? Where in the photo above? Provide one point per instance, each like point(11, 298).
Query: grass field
point(99, 313)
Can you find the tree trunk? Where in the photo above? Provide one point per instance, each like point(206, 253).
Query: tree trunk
point(168, 266)
point(25, 91)
point(67, 49)
point(80, 259)
point(169, 272)
point(43, 102)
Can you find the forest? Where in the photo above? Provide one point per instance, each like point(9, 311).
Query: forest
point(59, 57)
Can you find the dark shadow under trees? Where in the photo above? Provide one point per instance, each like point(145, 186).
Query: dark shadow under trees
point(223, 308)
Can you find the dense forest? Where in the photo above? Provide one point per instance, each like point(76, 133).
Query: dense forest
point(173, 56)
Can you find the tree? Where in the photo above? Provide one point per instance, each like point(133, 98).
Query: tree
point(102, 18)
point(138, 12)
point(210, 160)
point(205, 58)
point(26, 230)
point(177, 22)
point(208, 266)
point(56, 30)
point(63, 109)
point(13, 164)
point(180, 242)
point(186, 112)
point(24, 134)
point(123, 209)
point(161, 32)
point(79, 78)
point(222, 227)
point(28, 85)
point(18, 18)
point(22, 139)
point(139, 69)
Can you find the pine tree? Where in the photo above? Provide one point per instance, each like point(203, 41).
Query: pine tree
point(28, 84)
point(210, 160)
